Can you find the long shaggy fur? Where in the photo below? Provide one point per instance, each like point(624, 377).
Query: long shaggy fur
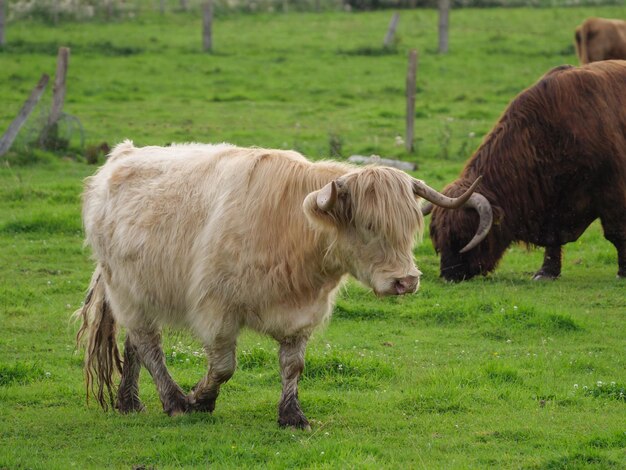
point(215, 237)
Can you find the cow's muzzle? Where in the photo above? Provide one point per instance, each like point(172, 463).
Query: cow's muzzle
point(405, 285)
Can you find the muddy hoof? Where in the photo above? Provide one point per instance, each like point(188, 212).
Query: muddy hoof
point(130, 406)
point(177, 407)
point(296, 421)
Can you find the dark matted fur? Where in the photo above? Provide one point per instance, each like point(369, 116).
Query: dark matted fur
point(554, 162)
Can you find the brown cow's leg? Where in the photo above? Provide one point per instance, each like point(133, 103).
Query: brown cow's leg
point(128, 392)
point(551, 268)
point(222, 362)
point(148, 346)
point(291, 365)
point(617, 236)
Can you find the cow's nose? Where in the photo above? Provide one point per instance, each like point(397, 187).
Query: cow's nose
point(406, 284)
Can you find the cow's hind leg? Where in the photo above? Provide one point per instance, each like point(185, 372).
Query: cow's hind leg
point(221, 355)
point(150, 352)
point(551, 268)
point(618, 238)
point(128, 391)
point(291, 357)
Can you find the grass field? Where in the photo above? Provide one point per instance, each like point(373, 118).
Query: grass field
point(498, 372)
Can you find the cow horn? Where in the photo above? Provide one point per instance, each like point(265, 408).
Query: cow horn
point(422, 189)
point(327, 197)
point(483, 207)
point(427, 208)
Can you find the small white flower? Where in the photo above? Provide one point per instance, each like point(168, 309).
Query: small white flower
point(599, 383)
point(575, 385)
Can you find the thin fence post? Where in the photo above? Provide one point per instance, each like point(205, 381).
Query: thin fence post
point(162, 7)
point(58, 96)
point(207, 26)
point(444, 13)
point(2, 23)
point(109, 9)
point(9, 136)
point(184, 5)
point(50, 132)
point(391, 31)
point(410, 100)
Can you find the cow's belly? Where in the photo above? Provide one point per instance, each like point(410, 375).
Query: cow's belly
point(561, 229)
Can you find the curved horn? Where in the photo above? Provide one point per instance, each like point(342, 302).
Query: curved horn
point(481, 204)
point(327, 197)
point(427, 208)
point(422, 189)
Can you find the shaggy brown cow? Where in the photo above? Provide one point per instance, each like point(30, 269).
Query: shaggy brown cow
point(600, 39)
point(553, 163)
point(215, 238)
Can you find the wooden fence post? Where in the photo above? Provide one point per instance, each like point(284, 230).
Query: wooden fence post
point(444, 13)
point(9, 136)
point(108, 8)
point(391, 31)
point(50, 132)
point(58, 93)
point(410, 100)
point(207, 26)
point(2, 23)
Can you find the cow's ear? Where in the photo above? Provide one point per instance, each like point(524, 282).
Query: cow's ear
point(326, 198)
point(320, 206)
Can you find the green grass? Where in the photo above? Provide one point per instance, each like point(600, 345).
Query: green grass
point(498, 372)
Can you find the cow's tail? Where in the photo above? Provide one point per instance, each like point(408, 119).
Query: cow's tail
point(98, 331)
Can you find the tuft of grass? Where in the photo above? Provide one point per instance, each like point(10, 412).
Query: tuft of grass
point(501, 374)
point(20, 373)
point(611, 390)
point(43, 223)
point(587, 460)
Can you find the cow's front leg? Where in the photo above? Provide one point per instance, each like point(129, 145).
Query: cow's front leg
point(291, 357)
point(222, 362)
point(551, 268)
